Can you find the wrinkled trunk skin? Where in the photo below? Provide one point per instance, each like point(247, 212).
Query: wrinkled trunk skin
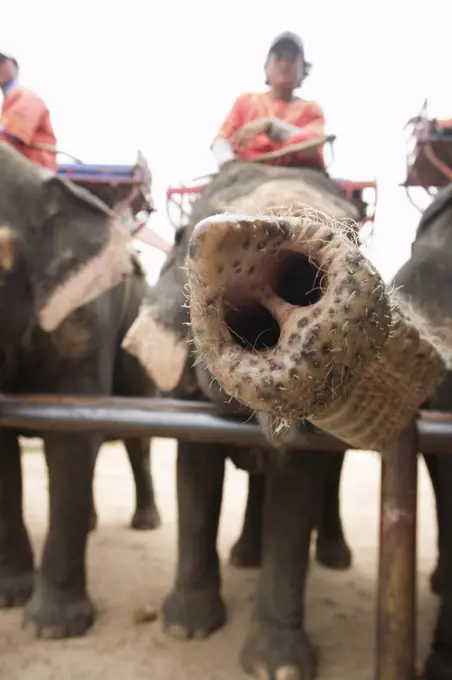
point(82, 356)
point(292, 319)
point(270, 302)
point(426, 280)
point(296, 491)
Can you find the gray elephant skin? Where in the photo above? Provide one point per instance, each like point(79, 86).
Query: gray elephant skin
point(426, 281)
point(289, 494)
point(69, 290)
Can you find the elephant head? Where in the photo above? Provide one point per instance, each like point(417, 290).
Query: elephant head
point(161, 336)
point(292, 319)
point(60, 247)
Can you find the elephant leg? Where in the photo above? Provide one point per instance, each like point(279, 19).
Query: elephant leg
point(247, 550)
point(439, 662)
point(16, 555)
point(438, 575)
point(194, 608)
point(60, 606)
point(146, 515)
point(277, 646)
point(93, 512)
point(331, 547)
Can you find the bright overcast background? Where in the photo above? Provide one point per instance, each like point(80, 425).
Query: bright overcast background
point(160, 77)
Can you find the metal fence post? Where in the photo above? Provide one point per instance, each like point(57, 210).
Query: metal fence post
point(396, 604)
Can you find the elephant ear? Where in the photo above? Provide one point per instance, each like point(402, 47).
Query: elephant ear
point(81, 252)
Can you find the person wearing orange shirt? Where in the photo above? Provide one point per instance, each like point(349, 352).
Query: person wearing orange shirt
point(24, 118)
point(273, 120)
point(443, 125)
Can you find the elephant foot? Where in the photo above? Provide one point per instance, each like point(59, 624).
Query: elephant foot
point(276, 653)
point(246, 553)
point(54, 615)
point(333, 553)
point(193, 614)
point(16, 589)
point(146, 519)
point(438, 666)
point(437, 579)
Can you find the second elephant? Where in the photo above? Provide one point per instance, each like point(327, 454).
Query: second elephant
point(296, 490)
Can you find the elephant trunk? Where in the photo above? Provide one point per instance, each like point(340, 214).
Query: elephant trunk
point(292, 319)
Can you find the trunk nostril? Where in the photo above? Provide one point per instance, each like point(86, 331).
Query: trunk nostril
point(299, 281)
point(295, 279)
point(251, 325)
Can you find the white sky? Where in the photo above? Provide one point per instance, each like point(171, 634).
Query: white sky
point(160, 77)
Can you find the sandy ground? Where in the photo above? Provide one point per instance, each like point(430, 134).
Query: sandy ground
point(128, 570)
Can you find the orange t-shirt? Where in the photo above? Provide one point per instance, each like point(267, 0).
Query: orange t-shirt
point(25, 117)
point(445, 123)
point(306, 115)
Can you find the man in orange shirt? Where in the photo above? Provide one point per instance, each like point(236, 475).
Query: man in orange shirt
point(443, 125)
point(273, 120)
point(24, 118)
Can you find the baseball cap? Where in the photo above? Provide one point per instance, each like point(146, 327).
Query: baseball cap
point(292, 39)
